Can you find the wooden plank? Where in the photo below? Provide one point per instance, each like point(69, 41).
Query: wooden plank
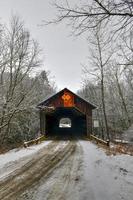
point(99, 140)
point(42, 122)
point(35, 141)
point(89, 124)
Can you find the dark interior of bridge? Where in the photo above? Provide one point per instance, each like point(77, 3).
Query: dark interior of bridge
point(65, 123)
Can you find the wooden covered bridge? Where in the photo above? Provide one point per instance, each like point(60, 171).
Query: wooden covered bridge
point(65, 106)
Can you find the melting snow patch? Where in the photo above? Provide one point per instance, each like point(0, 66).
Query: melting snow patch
point(10, 160)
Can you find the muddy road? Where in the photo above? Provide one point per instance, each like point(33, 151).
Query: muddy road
point(74, 170)
point(63, 183)
point(39, 166)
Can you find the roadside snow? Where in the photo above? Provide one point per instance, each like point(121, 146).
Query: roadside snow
point(11, 160)
point(107, 177)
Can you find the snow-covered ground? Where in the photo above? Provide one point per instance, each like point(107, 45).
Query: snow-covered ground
point(106, 177)
point(17, 157)
point(87, 174)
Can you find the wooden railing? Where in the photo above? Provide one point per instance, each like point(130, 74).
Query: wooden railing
point(34, 141)
point(99, 140)
point(120, 141)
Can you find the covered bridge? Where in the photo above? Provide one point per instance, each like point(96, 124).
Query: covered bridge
point(65, 114)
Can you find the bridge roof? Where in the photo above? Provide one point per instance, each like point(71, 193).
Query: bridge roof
point(48, 101)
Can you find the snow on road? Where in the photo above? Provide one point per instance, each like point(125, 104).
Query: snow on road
point(61, 145)
point(87, 174)
point(106, 177)
point(17, 157)
point(41, 165)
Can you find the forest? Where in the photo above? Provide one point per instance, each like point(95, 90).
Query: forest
point(24, 82)
point(107, 79)
point(57, 143)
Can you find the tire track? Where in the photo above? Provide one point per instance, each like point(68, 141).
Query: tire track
point(64, 183)
point(66, 187)
point(30, 173)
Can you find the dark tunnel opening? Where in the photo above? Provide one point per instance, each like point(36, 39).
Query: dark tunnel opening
point(66, 123)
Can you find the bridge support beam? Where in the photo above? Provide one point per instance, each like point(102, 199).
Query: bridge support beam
point(42, 122)
point(89, 125)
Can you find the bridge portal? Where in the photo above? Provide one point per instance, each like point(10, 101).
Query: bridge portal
point(66, 114)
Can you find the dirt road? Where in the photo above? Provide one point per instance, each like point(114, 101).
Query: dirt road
point(39, 166)
point(64, 183)
point(74, 170)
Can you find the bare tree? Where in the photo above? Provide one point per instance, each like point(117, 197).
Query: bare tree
point(100, 57)
point(91, 91)
point(118, 75)
point(20, 56)
point(88, 15)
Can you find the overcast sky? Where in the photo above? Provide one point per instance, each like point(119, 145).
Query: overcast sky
point(63, 54)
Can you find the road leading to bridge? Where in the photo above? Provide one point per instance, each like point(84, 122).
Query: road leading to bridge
point(74, 170)
point(39, 166)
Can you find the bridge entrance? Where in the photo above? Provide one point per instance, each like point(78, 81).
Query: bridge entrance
point(65, 115)
point(66, 122)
